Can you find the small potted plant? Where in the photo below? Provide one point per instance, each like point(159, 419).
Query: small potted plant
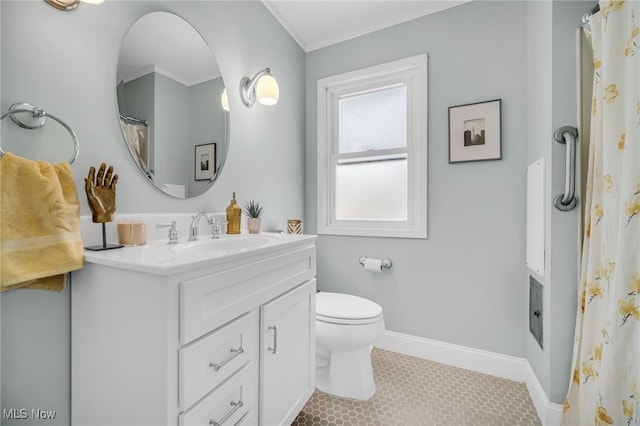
point(253, 209)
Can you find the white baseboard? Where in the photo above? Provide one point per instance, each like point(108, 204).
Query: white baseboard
point(549, 412)
point(554, 414)
point(498, 365)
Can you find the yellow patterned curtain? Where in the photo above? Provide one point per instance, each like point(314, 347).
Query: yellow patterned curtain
point(605, 388)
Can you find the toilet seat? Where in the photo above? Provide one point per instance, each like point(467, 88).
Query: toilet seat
point(338, 308)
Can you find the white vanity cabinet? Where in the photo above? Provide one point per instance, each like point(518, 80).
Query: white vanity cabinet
point(285, 374)
point(230, 341)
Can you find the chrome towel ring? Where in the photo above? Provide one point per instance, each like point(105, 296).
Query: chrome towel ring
point(35, 120)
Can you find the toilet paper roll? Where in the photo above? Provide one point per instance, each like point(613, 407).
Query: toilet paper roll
point(373, 265)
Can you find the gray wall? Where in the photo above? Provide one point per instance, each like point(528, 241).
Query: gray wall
point(464, 283)
point(565, 236)
point(136, 98)
point(181, 117)
point(553, 102)
point(171, 130)
point(65, 62)
point(467, 283)
point(539, 127)
point(205, 126)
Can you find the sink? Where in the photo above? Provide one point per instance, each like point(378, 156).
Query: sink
point(162, 253)
point(240, 242)
point(162, 258)
point(204, 249)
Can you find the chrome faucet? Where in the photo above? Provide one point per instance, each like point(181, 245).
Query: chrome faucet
point(193, 229)
point(174, 234)
point(216, 228)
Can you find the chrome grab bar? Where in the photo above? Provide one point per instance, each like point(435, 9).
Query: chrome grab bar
point(568, 136)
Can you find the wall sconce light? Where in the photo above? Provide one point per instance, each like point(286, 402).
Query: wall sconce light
point(224, 100)
point(70, 4)
point(262, 86)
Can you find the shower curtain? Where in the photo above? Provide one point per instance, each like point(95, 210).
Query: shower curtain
point(137, 137)
point(605, 383)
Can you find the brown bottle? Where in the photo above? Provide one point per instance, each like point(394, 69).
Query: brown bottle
point(233, 216)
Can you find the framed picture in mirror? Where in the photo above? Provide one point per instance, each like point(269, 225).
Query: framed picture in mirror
point(474, 132)
point(205, 161)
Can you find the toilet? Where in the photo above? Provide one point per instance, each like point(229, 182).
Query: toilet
point(346, 327)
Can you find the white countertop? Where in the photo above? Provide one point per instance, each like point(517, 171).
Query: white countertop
point(160, 258)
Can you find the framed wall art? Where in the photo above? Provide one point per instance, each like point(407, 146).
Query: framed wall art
point(474, 132)
point(205, 161)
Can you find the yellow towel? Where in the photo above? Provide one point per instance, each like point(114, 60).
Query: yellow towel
point(39, 224)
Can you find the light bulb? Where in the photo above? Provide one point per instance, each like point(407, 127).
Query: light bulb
point(224, 100)
point(267, 90)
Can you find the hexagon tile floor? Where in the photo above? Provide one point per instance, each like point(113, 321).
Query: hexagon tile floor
point(415, 392)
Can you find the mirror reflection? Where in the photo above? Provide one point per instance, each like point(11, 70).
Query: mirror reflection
point(171, 104)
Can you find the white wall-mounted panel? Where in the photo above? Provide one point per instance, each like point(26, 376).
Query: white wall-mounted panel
point(535, 217)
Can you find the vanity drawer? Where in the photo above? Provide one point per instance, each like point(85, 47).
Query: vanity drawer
point(209, 361)
point(235, 402)
point(209, 301)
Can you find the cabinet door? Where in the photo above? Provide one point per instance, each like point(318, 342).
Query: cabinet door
point(287, 354)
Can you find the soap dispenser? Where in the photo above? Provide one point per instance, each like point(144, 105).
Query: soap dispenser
point(233, 216)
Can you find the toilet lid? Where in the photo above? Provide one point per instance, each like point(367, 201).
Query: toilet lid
point(345, 306)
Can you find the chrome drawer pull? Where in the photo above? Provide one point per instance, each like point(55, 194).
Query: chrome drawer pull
point(234, 353)
point(236, 407)
point(274, 349)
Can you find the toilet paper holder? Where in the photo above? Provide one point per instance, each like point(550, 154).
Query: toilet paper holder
point(386, 263)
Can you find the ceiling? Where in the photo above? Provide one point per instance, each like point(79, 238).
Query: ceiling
point(164, 43)
point(167, 44)
point(319, 23)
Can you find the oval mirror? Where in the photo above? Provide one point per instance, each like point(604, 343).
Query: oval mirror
point(172, 105)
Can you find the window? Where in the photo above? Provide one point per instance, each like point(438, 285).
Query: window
point(372, 151)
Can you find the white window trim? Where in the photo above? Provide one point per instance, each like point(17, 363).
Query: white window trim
point(412, 70)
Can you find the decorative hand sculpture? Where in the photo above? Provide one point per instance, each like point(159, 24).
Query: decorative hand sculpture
point(101, 194)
